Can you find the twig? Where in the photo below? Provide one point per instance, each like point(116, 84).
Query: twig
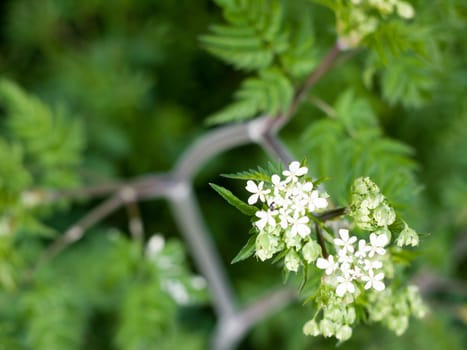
point(76, 232)
point(317, 74)
point(321, 242)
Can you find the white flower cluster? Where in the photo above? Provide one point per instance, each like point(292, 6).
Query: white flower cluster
point(353, 266)
point(174, 277)
point(284, 222)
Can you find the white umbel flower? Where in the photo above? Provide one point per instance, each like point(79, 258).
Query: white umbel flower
point(257, 190)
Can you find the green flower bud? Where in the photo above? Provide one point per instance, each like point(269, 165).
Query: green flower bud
point(359, 186)
point(266, 245)
point(384, 231)
point(350, 315)
point(326, 327)
point(344, 333)
point(398, 324)
point(292, 261)
point(407, 237)
point(335, 314)
point(384, 215)
point(311, 251)
point(417, 306)
point(311, 328)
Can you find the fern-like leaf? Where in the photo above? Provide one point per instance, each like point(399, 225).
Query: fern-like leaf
point(271, 93)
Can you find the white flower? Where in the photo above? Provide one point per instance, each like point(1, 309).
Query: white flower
point(155, 244)
point(344, 286)
point(344, 258)
point(257, 190)
point(317, 201)
point(295, 171)
point(345, 242)
point(374, 281)
point(265, 218)
point(329, 265)
point(370, 265)
point(362, 250)
point(299, 225)
point(377, 242)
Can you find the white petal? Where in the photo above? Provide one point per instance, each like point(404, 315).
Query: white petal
point(251, 186)
point(276, 180)
point(294, 166)
point(378, 285)
point(341, 289)
point(344, 234)
point(350, 287)
point(303, 230)
point(379, 276)
point(368, 284)
point(253, 199)
point(322, 263)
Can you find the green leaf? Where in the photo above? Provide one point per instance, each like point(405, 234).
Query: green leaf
point(247, 250)
point(234, 201)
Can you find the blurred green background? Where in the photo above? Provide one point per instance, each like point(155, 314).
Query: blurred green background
point(135, 75)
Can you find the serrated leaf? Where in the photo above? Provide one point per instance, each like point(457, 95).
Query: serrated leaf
point(234, 201)
point(247, 250)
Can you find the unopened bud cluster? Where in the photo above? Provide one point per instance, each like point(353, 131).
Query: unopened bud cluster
point(283, 222)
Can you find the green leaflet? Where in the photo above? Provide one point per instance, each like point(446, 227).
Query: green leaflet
point(252, 37)
point(51, 142)
point(259, 174)
point(271, 92)
point(247, 250)
point(234, 201)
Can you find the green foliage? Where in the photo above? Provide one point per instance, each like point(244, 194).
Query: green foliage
point(257, 40)
point(130, 81)
point(253, 36)
point(271, 93)
point(233, 200)
point(51, 144)
point(351, 145)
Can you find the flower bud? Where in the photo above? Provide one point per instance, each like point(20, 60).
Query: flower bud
point(311, 251)
point(311, 328)
point(292, 261)
point(326, 327)
point(344, 333)
point(407, 237)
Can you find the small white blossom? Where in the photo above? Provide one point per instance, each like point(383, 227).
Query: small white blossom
point(265, 218)
point(257, 190)
point(294, 172)
point(299, 225)
point(374, 281)
point(344, 286)
point(362, 250)
point(345, 242)
point(377, 244)
point(329, 265)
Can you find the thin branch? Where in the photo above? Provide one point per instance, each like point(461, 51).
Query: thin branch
point(319, 236)
point(76, 232)
point(230, 331)
point(135, 222)
point(301, 93)
point(331, 214)
point(323, 106)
